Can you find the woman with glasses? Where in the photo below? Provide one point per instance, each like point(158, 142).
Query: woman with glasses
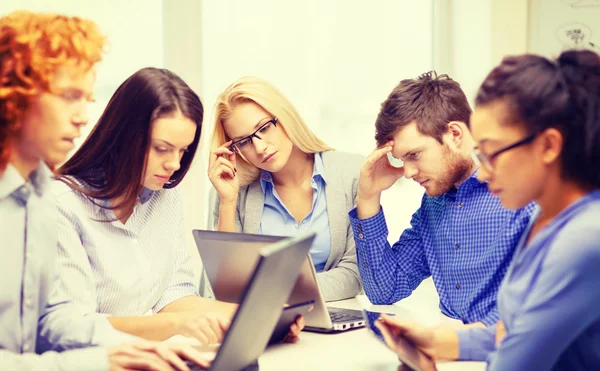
point(121, 242)
point(537, 126)
point(273, 176)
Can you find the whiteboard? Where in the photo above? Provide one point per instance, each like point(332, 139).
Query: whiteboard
point(556, 25)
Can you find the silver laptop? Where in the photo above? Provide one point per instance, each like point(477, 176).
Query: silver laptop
point(229, 258)
point(261, 303)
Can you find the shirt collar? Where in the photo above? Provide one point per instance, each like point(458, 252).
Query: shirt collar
point(319, 168)
point(470, 182)
point(145, 196)
point(318, 171)
point(11, 181)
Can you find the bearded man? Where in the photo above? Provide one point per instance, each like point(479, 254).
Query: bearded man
point(461, 235)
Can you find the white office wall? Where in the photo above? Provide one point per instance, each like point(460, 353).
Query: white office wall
point(558, 25)
point(476, 35)
point(335, 60)
point(134, 29)
point(183, 55)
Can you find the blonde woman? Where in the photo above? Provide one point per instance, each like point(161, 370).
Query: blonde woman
point(274, 176)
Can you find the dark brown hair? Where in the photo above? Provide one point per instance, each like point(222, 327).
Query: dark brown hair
point(431, 100)
point(562, 94)
point(112, 160)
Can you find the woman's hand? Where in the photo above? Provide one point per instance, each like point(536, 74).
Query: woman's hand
point(295, 328)
point(207, 328)
point(439, 343)
point(222, 173)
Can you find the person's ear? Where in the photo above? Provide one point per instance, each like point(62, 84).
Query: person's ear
point(456, 130)
point(551, 141)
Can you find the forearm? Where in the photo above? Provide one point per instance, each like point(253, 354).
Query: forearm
point(367, 207)
point(164, 324)
point(199, 304)
point(381, 267)
point(446, 344)
point(227, 217)
point(155, 327)
point(384, 283)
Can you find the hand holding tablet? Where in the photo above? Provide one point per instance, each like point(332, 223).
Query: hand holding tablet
point(407, 353)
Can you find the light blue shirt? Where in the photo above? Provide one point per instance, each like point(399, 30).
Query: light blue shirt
point(549, 300)
point(127, 269)
point(278, 221)
point(35, 314)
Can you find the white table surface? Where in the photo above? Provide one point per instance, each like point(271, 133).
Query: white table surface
point(355, 349)
point(351, 350)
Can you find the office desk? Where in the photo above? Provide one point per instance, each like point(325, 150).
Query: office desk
point(354, 349)
point(350, 350)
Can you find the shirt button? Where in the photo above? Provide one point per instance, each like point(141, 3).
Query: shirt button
point(458, 286)
point(460, 205)
point(28, 255)
point(26, 347)
point(366, 265)
point(457, 246)
point(361, 236)
point(28, 303)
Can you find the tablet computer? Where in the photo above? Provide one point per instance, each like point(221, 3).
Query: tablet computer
point(288, 316)
point(407, 353)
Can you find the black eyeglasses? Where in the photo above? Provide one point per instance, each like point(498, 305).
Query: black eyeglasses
point(486, 160)
point(244, 144)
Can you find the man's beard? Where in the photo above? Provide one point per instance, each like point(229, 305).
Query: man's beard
point(456, 168)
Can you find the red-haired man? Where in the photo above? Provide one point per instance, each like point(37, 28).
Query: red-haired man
point(46, 80)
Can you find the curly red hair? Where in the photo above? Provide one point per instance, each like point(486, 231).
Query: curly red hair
point(32, 47)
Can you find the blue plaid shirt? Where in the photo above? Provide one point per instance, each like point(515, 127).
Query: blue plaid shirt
point(464, 239)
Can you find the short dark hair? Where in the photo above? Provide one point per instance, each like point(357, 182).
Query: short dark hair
point(112, 160)
point(431, 100)
point(562, 94)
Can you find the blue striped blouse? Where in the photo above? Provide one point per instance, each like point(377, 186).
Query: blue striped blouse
point(124, 269)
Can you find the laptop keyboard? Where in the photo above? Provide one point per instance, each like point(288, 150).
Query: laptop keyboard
point(345, 315)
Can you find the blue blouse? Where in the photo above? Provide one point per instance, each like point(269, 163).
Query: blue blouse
point(549, 300)
point(278, 221)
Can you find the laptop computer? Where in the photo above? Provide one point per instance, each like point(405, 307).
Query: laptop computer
point(260, 303)
point(228, 260)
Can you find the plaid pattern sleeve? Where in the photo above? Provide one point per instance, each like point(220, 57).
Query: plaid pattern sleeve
point(463, 239)
point(389, 273)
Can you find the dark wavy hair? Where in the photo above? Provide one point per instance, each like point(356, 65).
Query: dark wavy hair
point(112, 160)
point(562, 94)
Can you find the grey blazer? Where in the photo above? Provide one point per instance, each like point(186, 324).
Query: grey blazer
point(340, 279)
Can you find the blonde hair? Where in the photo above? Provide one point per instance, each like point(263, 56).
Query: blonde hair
point(266, 95)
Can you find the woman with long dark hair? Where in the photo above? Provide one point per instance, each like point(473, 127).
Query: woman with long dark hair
point(122, 242)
